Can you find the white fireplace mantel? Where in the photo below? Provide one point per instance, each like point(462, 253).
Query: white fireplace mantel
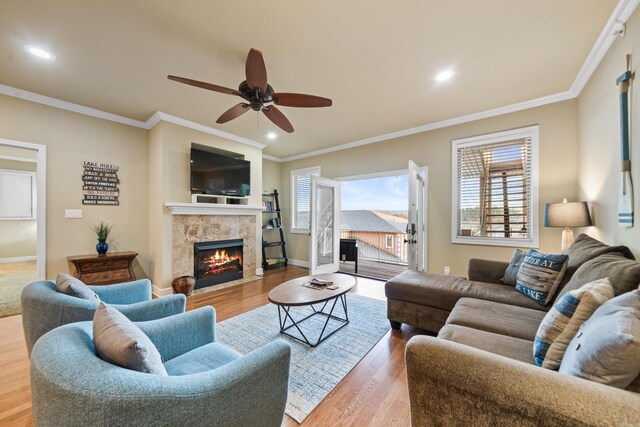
point(212, 209)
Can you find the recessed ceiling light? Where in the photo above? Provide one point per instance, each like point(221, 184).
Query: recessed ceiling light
point(40, 53)
point(272, 135)
point(445, 75)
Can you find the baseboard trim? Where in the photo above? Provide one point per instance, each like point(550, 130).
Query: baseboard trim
point(298, 262)
point(161, 292)
point(18, 259)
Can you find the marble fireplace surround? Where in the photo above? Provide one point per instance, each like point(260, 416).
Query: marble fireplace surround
point(205, 222)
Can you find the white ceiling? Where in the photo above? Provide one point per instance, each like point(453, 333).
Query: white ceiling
point(375, 59)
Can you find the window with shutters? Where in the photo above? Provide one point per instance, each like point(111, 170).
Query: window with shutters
point(495, 189)
point(17, 195)
point(301, 198)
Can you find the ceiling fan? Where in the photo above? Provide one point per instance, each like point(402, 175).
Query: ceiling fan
point(258, 94)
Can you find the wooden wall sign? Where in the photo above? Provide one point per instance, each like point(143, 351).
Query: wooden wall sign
point(100, 184)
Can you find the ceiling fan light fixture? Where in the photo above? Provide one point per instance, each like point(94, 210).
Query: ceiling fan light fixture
point(444, 75)
point(272, 135)
point(39, 52)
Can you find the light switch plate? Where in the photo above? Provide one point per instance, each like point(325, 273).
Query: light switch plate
point(73, 213)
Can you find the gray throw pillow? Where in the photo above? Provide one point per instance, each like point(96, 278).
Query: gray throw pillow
point(511, 274)
point(71, 286)
point(606, 348)
point(586, 248)
point(623, 273)
point(119, 341)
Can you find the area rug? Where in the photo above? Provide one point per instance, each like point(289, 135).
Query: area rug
point(14, 277)
point(314, 371)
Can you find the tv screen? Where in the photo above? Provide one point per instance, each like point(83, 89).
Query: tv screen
point(213, 173)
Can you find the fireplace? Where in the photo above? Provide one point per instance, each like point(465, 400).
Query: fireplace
point(217, 262)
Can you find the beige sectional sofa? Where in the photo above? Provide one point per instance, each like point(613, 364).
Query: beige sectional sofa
point(480, 370)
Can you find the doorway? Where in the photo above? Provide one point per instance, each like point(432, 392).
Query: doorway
point(373, 228)
point(22, 220)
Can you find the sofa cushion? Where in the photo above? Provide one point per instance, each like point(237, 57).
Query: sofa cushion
point(606, 349)
point(69, 285)
point(514, 348)
point(561, 323)
point(540, 275)
point(495, 317)
point(443, 292)
point(623, 273)
point(201, 359)
point(511, 274)
point(119, 341)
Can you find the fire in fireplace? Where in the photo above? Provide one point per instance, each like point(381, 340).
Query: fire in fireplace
point(217, 262)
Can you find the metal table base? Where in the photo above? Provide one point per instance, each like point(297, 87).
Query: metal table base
point(286, 317)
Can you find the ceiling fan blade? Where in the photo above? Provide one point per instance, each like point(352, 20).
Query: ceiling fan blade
point(233, 112)
point(300, 100)
point(204, 85)
point(256, 71)
point(278, 118)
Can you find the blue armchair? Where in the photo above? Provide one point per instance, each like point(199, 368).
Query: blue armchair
point(44, 308)
point(208, 383)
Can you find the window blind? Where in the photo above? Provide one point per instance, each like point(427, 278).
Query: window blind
point(301, 197)
point(16, 195)
point(494, 189)
point(303, 202)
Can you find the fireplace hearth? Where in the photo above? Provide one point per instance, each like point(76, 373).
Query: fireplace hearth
point(217, 262)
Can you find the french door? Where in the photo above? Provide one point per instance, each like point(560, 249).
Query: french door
point(417, 223)
point(324, 250)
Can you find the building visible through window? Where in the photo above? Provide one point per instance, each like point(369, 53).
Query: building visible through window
point(495, 194)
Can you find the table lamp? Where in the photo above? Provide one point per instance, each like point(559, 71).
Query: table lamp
point(566, 215)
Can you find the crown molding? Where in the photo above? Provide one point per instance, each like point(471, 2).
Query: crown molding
point(150, 123)
point(558, 97)
point(619, 17)
point(69, 106)
point(160, 116)
point(272, 158)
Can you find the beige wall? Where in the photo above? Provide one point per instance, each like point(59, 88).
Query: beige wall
point(271, 176)
point(17, 238)
point(169, 181)
point(70, 139)
point(599, 141)
point(558, 177)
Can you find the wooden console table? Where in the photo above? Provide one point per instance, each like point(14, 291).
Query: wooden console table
point(115, 267)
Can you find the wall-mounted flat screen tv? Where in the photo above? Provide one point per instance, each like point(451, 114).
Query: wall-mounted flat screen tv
point(213, 173)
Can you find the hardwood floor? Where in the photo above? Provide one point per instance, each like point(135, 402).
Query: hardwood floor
point(374, 393)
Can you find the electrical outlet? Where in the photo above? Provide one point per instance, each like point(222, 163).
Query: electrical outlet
point(73, 213)
point(446, 270)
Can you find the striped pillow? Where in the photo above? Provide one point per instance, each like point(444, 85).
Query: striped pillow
point(540, 274)
point(561, 323)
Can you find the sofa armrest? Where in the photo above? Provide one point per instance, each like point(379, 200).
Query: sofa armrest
point(124, 293)
point(453, 384)
point(181, 333)
point(484, 270)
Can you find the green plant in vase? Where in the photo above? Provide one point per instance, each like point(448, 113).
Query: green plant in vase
point(102, 231)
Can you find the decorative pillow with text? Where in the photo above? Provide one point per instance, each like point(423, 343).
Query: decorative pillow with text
point(540, 275)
